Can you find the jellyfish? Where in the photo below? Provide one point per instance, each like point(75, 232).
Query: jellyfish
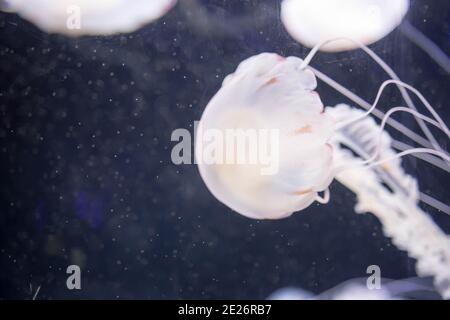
point(267, 147)
point(313, 21)
point(85, 17)
point(365, 21)
point(357, 289)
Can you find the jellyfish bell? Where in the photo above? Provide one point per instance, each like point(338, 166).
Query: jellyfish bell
point(366, 21)
point(268, 94)
point(99, 17)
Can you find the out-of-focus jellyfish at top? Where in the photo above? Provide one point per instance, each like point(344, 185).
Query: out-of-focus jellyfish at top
point(87, 17)
point(313, 21)
point(266, 147)
point(357, 289)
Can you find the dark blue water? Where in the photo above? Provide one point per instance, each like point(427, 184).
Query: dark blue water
point(86, 176)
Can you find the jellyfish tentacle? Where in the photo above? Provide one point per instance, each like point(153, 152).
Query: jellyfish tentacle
point(428, 46)
point(435, 203)
point(390, 121)
point(325, 198)
point(388, 70)
point(438, 123)
point(392, 196)
point(409, 151)
point(431, 159)
point(366, 105)
point(371, 161)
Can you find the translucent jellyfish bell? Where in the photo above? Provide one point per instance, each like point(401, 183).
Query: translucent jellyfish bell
point(99, 17)
point(268, 93)
point(313, 21)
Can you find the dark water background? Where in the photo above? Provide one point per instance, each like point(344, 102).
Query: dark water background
point(86, 176)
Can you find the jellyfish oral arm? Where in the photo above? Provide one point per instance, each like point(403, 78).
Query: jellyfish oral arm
point(405, 223)
point(410, 228)
point(438, 123)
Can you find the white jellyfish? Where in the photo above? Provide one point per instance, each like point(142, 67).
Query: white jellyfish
point(87, 17)
point(311, 147)
point(246, 101)
point(313, 21)
point(357, 289)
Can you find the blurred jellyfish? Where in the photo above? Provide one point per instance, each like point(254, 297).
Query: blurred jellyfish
point(357, 289)
point(313, 21)
point(313, 146)
point(87, 17)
